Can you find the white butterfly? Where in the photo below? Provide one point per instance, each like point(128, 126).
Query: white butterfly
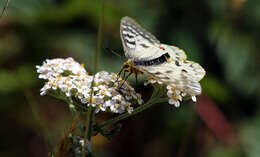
point(164, 63)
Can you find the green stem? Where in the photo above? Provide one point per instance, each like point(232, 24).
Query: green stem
point(4, 8)
point(91, 111)
point(87, 136)
point(137, 110)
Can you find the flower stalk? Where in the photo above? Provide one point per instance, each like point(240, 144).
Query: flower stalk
point(155, 98)
point(91, 111)
point(137, 110)
point(87, 137)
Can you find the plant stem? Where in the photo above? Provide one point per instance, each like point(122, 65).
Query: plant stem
point(137, 110)
point(91, 111)
point(4, 8)
point(87, 136)
point(99, 37)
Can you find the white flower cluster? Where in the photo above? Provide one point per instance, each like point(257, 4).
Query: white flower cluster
point(109, 92)
point(175, 95)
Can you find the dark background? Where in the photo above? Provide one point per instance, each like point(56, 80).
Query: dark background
point(222, 35)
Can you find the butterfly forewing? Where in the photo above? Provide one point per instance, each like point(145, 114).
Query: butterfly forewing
point(135, 39)
point(139, 44)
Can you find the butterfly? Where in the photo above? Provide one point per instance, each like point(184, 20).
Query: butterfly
point(164, 63)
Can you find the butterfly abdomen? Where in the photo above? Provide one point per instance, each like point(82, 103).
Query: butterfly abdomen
point(163, 58)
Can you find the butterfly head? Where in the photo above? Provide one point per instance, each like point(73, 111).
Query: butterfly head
point(128, 66)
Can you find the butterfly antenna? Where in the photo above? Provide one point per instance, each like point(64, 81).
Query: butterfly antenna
point(110, 50)
point(4, 8)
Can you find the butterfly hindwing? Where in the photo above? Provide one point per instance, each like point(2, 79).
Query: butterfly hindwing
point(174, 52)
point(183, 75)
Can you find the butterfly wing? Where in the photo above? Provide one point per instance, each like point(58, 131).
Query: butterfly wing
point(182, 75)
point(139, 44)
point(135, 39)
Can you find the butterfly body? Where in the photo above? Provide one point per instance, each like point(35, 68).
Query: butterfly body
point(164, 63)
point(156, 61)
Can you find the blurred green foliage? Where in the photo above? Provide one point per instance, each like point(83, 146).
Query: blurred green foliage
point(223, 36)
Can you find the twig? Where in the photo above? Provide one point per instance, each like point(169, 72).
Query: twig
point(63, 146)
point(4, 8)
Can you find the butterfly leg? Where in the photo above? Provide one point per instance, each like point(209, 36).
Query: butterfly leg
point(124, 75)
point(125, 79)
point(118, 75)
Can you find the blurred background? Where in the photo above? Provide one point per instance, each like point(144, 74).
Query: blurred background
point(223, 36)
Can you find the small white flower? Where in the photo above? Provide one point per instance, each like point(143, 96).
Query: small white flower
point(130, 110)
point(95, 89)
point(174, 102)
point(109, 103)
point(194, 99)
point(175, 96)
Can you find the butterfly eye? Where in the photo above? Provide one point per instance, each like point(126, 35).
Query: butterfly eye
point(126, 66)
